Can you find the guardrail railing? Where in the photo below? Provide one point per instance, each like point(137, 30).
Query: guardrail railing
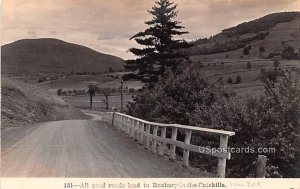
point(146, 133)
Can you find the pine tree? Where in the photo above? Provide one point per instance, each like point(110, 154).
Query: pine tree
point(161, 51)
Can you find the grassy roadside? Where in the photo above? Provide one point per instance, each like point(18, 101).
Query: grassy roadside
point(22, 103)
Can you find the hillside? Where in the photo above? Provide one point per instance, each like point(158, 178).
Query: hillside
point(23, 103)
point(54, 56)
point(274, 32)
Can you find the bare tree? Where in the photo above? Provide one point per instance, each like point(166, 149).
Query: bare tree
point(106, 92)
point(92, 92)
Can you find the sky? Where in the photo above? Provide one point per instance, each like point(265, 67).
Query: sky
point(107, 25)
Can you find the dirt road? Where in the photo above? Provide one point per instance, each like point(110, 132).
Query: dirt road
point(82, 148)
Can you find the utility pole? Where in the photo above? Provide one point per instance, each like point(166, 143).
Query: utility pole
point(121, 95)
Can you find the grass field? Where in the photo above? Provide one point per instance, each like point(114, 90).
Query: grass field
point(250, 83)
point(83, 102)
point(213, 69)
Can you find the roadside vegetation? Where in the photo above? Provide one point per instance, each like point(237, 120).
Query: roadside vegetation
point(184, 95)
point(271, 120)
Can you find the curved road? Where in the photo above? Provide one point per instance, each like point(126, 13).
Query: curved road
point(82, 148)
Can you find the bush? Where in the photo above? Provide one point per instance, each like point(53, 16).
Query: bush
point(229, 80)
point(110, 70)
point(131, 90)
point(246, 51)
point(271, 120)
point(289, 53)
point(59, 92)
point(272, 75)
point(248, 65)
point(238, 79)
point(261, 50)
point(42, 79)
point(276, 63)
point(220, 80)
point(172, 98)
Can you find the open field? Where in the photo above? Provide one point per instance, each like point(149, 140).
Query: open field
point(82, 81)
point(83, 102)
point(223, 69)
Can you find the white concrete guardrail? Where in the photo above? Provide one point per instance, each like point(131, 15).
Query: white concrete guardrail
point(146, 133)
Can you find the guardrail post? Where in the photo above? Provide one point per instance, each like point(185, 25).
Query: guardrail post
point(261, 166)
point(132, 127)
point(163, 144)
point(222, 161)
point(141, 132)
point(128, 125)
point(122, 123)
point(155, 129)
point(113, 118)
point(119, 121)
point(147, 137)
point(173, 147)
point(136, 132)
point(186, 153)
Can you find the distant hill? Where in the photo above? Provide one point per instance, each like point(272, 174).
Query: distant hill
point(274, 32)
point(54, 56)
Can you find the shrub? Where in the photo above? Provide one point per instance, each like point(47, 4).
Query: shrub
point(220, 80)
point(248, 65)
point(276, 63)
point(59, 92)
point(42, 79)
point(289, 53)
point(110, 70)
point(269, 121)
point(173, 97)
point(131, 90)
point(229, 80)
point(261, 50)
point(246, 51)
point(272, 75)
point(238, 79)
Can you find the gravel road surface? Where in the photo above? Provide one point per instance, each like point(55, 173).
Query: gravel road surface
point(82, 148)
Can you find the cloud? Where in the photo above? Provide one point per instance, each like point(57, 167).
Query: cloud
point(106, 26)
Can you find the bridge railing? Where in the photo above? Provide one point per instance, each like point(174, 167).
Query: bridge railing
point(146, 133)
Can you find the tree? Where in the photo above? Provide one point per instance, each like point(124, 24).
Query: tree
point(106, 92)
point(276, 63)
point(229, 80)
point(261, 50)
point(110, 70)
point(59, 92)
point(238, 79)
point(161, 51)
point(249, 65)
point(246, 51)
point(92, 92)
point(289, 53)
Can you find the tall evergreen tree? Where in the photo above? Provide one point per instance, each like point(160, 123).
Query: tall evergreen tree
point(161, 50)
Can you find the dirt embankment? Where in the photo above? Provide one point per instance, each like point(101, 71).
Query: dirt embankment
point(22, 103)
